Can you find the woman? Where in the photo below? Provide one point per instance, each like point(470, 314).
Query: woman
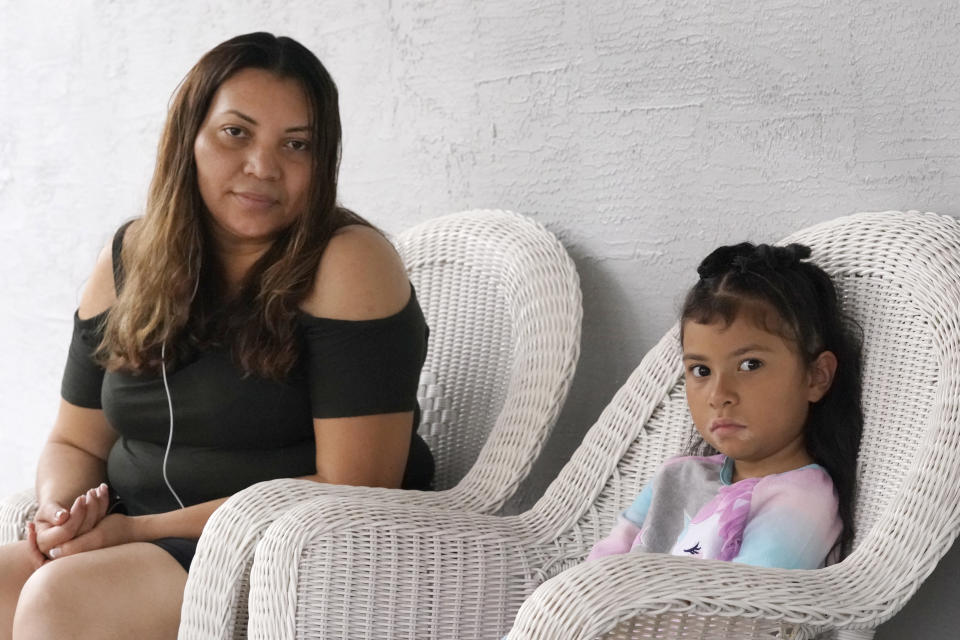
point(245, 328)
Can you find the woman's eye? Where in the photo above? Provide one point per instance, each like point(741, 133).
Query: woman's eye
point(298, 145)
point(750, 364)
point(699, 371)
point(233, 132)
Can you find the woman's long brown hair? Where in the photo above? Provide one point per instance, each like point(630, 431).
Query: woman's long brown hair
point(173, 291)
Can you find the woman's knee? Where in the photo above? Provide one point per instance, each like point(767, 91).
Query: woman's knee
point(51, 602)
point(128, 591)
point(15, 567)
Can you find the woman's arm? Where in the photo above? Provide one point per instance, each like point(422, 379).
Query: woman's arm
point(368, 451)
point(73, 461)
point(74, 457)
point(121, 529)
point(70, 475)
point(360, 451)
point(360, 277)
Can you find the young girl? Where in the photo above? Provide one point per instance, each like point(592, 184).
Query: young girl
point(773, 383)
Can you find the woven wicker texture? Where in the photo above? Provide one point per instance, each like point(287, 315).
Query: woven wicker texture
point(336, 568)
point(15, 511)
point(502, 299)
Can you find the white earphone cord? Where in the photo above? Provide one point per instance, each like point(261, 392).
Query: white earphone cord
point(166, 454)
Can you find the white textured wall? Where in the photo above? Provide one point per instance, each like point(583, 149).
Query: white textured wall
point(641, 133)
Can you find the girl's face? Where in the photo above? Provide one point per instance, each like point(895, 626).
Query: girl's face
point(253, 157)
point(749, 393)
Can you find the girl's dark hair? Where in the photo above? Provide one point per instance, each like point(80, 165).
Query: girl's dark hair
point(758, 278)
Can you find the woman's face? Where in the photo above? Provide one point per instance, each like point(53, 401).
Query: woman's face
point(254, 158)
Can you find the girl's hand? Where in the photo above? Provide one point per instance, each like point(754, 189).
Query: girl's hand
point(112, 530)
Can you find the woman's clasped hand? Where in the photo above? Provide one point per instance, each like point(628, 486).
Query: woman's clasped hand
point(57, 531)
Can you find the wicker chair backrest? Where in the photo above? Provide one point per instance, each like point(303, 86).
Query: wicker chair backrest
point(502, 300)
point(899, 278)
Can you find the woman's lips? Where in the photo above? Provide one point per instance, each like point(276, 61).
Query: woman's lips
point(255, 200)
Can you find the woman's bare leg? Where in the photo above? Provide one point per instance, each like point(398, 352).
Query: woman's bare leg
point(15, 568)
point(128, 591)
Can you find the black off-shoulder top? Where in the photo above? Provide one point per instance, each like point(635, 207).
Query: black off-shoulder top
point(231, 429)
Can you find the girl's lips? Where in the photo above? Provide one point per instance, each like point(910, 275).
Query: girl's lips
point(724, 424)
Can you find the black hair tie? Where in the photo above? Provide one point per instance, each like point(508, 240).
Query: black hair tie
point(723, 259)
point(746, 258)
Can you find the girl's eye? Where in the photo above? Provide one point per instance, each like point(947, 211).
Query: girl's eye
point(298, 145)
point(233, 132)
point(699, 371)
point(750, 364)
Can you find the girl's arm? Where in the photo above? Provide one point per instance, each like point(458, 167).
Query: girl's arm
point(624, 533)
point(793, 521)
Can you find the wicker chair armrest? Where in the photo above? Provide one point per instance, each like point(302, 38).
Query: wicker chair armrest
point(593, 598)
point(15, 511)
point(215, 598)
point(336, 567)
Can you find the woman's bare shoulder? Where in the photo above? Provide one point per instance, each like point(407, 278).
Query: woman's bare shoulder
point(100, 292)
point(360, 277)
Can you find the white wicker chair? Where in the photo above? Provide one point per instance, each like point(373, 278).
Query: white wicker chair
point(502, 299)
point(335, 568)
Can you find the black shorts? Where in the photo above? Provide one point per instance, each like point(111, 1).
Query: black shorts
point(182, 549)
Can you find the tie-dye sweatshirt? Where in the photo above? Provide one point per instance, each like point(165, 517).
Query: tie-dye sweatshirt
point(692, 507)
